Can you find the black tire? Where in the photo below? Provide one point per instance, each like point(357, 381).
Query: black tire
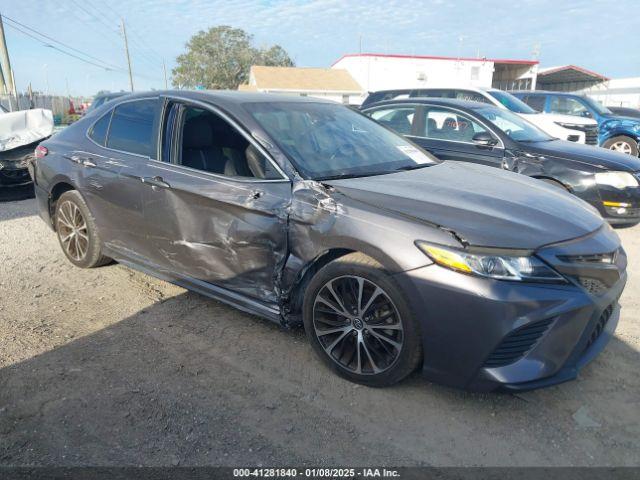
point(406, 331)
point(81, 245)
point(616, 143)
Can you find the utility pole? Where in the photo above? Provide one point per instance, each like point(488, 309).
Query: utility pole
point(126, 51)
point(6, 64)
point(3, 85)
point(164, 69)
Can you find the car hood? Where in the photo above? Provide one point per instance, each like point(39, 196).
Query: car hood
point(602, 158)
point(556, 117)
point(483, 206)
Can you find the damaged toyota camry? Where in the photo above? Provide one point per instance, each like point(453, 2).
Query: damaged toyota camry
point(305, 211)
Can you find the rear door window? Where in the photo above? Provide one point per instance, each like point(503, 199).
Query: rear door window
point(399, 119)
point(535, 101)
point(98, 132)
point(133, 127)
point(444, 124)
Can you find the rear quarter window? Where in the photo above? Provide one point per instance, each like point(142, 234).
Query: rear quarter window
point(132, 127)
point(98, 132)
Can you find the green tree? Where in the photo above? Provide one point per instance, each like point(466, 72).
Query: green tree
point(221, 57)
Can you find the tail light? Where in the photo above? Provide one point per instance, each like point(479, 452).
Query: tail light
point(41, 151)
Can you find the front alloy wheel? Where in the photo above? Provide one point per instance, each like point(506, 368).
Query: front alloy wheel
point(358, 325)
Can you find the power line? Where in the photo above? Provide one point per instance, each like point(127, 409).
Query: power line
point(104, 65)
point(134, 36)
point(58, 42)
point(59, 49)
point(100, 15)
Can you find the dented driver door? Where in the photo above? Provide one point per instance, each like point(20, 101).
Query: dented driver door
point(223, 230)
point(217, 230)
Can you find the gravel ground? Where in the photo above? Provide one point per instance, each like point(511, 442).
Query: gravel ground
point(112, 367)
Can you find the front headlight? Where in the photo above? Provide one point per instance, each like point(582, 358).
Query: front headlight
point(572, 126)
point(616, 179)
point(500, 267)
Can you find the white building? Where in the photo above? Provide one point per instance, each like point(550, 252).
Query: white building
point(617, 92)
point(327, 83)
point(386, 72)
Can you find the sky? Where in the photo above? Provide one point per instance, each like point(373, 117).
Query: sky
point(594, 34)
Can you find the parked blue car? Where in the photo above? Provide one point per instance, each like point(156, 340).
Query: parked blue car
point(617, 132)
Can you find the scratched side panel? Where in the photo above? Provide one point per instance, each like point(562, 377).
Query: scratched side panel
point(322, 219)
point(224, 232)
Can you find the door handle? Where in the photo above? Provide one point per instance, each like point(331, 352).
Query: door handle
point(87, 162)
point(156, 181)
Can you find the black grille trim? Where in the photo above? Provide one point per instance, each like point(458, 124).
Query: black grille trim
point(590, 133)
point(517, 344)
point(598, 328)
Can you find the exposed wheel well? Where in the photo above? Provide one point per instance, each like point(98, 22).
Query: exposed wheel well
point(294, 304)
point(56, 192)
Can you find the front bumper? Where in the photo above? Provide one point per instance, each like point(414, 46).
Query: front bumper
point(466, 322)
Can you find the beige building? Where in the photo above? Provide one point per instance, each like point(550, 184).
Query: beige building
point(328, 83)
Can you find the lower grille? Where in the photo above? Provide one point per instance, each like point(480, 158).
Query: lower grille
point(515, 345)
point(599, 326)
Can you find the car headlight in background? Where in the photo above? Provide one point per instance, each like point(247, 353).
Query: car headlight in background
point(572, 126)
point(616, 179)
point(500, 267)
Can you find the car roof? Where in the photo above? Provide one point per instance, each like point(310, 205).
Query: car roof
point(448, 102)
point(546, 92)
point(435, 87)
point(229, 96)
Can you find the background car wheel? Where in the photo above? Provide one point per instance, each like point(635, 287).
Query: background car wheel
point(77, 232)
point(622, 144)
point(359, 322)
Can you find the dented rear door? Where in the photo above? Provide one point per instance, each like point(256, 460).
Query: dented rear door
point(224, 231)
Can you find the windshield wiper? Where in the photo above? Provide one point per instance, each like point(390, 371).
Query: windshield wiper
point(352, 175)
point(416, 166)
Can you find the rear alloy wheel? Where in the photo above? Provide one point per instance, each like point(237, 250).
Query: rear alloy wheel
point(77, 232)
point(622, 144)
point(359, 324)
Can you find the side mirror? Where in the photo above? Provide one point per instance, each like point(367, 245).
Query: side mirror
point(485, 139)
point(586, 113)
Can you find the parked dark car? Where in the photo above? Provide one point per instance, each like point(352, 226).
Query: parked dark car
point(103, 98)
point(625, 111)
point(619, 133)
point(297, 209)
point(480, 133)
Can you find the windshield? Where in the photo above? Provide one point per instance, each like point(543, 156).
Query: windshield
point(515, 127)
point(512, 103)
point(597, 106)
point(332, 141)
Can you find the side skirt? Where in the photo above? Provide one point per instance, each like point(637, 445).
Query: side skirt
point(241, 302)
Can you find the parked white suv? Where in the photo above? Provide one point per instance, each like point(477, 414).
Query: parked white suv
point(564, 127)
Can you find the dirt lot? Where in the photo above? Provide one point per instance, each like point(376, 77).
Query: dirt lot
point(112, 367)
